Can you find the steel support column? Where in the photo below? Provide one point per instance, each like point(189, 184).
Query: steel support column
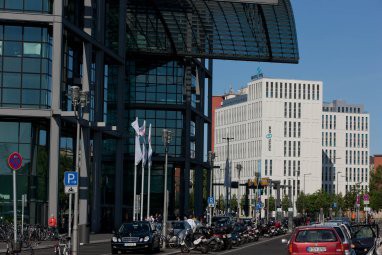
point(120, 116)
point(54, 138)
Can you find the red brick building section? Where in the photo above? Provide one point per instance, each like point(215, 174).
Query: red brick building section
point(216, 103)
point(375, 162)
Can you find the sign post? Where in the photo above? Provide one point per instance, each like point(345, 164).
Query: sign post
point(366, 202)
point(15, 161)
point(71, 187)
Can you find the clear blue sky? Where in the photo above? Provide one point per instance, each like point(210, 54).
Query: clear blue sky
point(340, 43)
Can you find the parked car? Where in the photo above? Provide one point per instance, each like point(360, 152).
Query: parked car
point(344, 234)
point(364, 237)
point(315, 239)
point(138, 235)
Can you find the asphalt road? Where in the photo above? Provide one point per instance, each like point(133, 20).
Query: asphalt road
point(265, 246)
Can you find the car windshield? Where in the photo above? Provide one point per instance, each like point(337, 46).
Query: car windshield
point(315, 236)
point(135, 229)
point(363, 232)
point(220, 221)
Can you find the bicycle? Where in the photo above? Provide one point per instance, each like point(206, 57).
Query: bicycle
point(63, 246)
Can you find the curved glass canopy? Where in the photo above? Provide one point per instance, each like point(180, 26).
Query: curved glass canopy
point(212, 29)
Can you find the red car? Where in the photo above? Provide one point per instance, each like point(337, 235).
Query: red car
point(315, 240)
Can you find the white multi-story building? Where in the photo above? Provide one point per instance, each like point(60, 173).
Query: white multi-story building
point(345, 147)
point(276, 122)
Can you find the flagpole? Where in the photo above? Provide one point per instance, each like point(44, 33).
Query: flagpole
point(135, 192)
point(142, 186)
point(148, 189)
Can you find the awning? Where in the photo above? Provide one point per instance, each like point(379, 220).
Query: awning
point(212, 29)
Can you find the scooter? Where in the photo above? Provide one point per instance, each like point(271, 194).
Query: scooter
point(190, 243)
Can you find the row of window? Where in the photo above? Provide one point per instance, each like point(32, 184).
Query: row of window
point(226, 116)
point(289, 108)
point(356, 140)
point(268, 168)
point(347, 109)
point(353, 174)
point(329, 156)
point(363, 188)
point(249, 169)
point(292, 167)
point(290, 148)
point(357, 123)
point(329, 139)
point(292, 185)
point(292, 91)
point(255, 91)
point(39, 6)
point(356, 157)
point(288, 129)
point(329, 121)
point(239, 132)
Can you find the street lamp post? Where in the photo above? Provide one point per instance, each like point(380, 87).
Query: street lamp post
point(227, 169)
point(239, 167)
point(166, 140)
point(337, 188)
point(79, 100)
point(303, 201)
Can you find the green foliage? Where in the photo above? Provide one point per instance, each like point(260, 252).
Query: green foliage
point(349, 200)
point(220, 202)
point(285, 203)
point(272, 203)
point(300, 201)
point(376, 189)
point(234, 203)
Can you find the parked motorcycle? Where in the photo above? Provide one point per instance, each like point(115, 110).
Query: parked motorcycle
point(196, 242)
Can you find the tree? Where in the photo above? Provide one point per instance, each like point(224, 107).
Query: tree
point(376, 189)
point(220, 203)
point(272, 203)
point(300, 202)
point(234, 203)
point(285, 203)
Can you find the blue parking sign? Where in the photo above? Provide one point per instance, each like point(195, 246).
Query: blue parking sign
point(71, 179)
point(211, 200)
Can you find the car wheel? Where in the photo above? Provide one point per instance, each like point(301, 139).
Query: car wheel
point(114, 251)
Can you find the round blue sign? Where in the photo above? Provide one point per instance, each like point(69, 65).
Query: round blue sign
point(15, 161)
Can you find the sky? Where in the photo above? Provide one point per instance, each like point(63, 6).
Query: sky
point(340, 43)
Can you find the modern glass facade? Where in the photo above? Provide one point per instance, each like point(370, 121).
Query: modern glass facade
point(25, 68)
point(145, 59)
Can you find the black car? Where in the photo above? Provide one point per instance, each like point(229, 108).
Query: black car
point(364, 237)
point(137, 235)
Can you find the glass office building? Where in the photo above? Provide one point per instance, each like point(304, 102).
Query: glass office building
point(137, 58)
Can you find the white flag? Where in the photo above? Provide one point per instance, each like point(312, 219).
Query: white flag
point(138, 152)
point(142, 130)
point(135, 125)
point(150, 149)
point(144, 154)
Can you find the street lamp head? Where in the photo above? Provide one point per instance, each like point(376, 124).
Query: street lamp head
point(84, 98)
point(74, 94)
point(166, 136)
point(239, 167)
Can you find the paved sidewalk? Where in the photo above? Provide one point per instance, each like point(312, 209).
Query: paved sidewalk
point(93, 239)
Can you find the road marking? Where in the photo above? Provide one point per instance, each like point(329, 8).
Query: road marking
point(254, 244)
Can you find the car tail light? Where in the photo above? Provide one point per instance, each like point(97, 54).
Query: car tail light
point(340, 247)
point(290, 248)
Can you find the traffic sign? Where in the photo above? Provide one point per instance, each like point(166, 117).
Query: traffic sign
point(211, 201)
point(366, 199)
point(259, 205)
point(268, 136)
point(334, 205)
point(71, 179)
point(15, 161)
point(71, 189)
point(358, 200)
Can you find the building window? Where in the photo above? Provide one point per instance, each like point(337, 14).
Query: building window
point(271, 89)
point(270, 167)
point(313, 92)
point(285, 148)
point(290, 90)
point(266, 89)
point(294, 110)
point(290, 110)
point(289, 168)
point(285, 167)
point(285, 110)
point(290, 128)
point(308, 91)
point(299, 110)
point(276, 90)
point(286, 90)
point(285, 129)
point(299, 149)
point(266, 167)
point(318, 92)
point(346, 125)
point(294, 91)
point(289, 149)
point(335, 122)
point(299, 129)
point(294, 129)
point(303, 91)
